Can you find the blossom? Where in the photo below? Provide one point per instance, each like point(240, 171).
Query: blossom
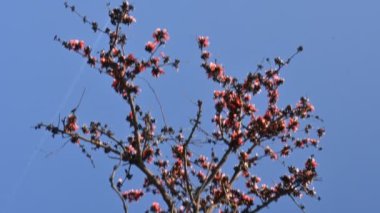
point(203, 42)
point(130, 150)
point(203, 162)
point(127, 19)
point(212, 66)
point(311, 163)
point(75, 44)
point(247, 199)
point(115, 52)
point(293, 124)
point(155, 207)
point(71, 124)
point(139, 67)
point(285, 151)
point(214, 70)
point(150, 46)
point(201, 176)
point(148, 155)
point(129, 60)
point(205, 55)
point(133, 195)
point(161, 35)
point(155, 61)
point(157, 71)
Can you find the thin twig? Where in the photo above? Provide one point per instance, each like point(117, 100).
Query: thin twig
point(114, 187)
point(157, 99)
point(184, 155)
point(300, 206)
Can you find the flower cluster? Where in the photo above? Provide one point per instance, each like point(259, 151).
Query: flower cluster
point(121, 15)
point(155, 207)
point(71, 124)
point(161, 35)
point(75, 45)
point(203, 42)
point(133, 195)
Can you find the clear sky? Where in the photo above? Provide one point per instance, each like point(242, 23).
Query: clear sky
point(338, 70)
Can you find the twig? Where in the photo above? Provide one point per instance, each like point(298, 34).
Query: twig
point(184, 155)
point(114, 187)
point(300, 206)
point(80, 101)
point(157, 99)
point(57, 150)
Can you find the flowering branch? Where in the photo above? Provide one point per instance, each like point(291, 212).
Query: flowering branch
point(188, 183)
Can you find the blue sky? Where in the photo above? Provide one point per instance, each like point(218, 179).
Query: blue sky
point(338, 71)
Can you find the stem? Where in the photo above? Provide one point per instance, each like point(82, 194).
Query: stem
point(112, 177)
point(184, 157)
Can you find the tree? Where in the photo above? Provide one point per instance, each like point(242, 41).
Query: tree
point(185, 182)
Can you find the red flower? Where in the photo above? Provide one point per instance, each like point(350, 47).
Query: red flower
point(155, 207)
point(71, 124)
point(236, 139)
point(127, 19)
point(150, 46)
point(203, 42)
point(161, 35)
point(75, 45)
point(157, 71)
point(293, 124)
point(148, 155)
point(139, 67)
point(215, 70)
point(155, 61)
point(130, 59)
point(212, 66)
point(201, 176)
point(285, 151)
point(205, 55)
point(115, 52)
point(311, 163)
point(262, 122)
point(133, 195)
point(247, 200)
point(202, 161)
point(130, 150)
